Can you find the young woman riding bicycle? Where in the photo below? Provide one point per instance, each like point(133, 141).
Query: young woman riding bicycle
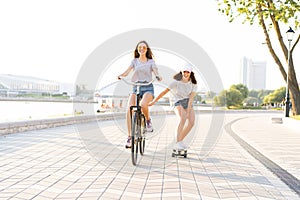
point(142, 66)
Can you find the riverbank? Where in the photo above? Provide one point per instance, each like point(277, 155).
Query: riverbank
point(22, 110)
point(48, 99)
point(27, 125)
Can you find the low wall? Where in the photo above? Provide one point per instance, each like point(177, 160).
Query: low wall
point(21, 126)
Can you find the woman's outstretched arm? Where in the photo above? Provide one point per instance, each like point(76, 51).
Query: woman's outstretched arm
point(159, 96)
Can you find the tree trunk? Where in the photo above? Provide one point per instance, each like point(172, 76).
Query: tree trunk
point(295, 90)
point(294, 87)
point(293, 83)
point(295, 96)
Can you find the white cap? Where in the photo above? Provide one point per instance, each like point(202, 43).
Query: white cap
point(187, 68)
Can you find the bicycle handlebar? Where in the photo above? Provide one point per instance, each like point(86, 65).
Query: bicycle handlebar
point(137, 83)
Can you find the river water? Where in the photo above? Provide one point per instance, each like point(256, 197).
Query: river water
point(31, 110)
point(12, 111)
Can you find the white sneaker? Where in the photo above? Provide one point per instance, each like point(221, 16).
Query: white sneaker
point(181, 145)
point(149, 127)
point(128, 143)
point(185, 146)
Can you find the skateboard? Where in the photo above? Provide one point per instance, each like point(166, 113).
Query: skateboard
point(179, 152)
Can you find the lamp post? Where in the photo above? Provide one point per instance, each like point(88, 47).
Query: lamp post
point(290, 34)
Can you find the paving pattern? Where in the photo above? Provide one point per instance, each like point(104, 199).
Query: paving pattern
point(89, 161)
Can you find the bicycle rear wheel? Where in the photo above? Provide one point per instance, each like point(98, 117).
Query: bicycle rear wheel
point(134, 138)
point(142, 137)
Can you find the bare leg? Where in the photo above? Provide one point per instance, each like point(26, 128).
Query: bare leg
point(189, 126)
point(147, 97)
point(131, 102)
point(182, 129)
point(181, 113)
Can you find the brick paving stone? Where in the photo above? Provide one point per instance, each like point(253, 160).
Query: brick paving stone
point(66, 164)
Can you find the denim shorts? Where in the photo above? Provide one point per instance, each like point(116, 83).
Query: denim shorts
point(143, 89)
point(183, 102)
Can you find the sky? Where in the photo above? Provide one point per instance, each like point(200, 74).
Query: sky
point(52, 39)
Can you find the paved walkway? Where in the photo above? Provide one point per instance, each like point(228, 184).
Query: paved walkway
point(88, 161)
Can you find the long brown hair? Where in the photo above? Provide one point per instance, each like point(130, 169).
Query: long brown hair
point(149, 53)
point(179, 75)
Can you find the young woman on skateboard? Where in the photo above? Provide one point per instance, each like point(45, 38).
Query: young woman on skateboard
point(184, 89)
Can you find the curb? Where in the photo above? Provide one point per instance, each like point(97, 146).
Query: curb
point(22, 126)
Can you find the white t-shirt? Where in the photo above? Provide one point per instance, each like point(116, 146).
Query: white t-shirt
point(142, 71)
point(180, 90)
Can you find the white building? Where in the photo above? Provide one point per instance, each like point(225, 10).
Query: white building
point(13, 85)
point(253, 74)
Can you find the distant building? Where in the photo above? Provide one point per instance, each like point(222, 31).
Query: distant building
point(253, 74)
point(12, 85)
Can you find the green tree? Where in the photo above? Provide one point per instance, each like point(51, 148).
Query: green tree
point(198, 98)
point(262, 93)
point(252, 101)
point(270, 15)
point(231, 97)
point(259, 95)
point(242, 88)
point(253, 93)
point(276, 97)
point(210, 94)
point(220, 100)
point(234, 97)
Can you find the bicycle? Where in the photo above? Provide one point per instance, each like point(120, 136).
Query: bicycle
point(138, 123)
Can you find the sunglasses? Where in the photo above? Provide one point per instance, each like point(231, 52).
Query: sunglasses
point(142, 47)
point(186, 72)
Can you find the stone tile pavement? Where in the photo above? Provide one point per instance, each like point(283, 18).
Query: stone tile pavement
point(89, 161)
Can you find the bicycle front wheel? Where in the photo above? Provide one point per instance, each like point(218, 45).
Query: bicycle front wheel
point(134, 138)
point(142, 132)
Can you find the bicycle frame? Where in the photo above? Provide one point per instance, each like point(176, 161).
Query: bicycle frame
point(137, 108)
point(138, 123)
point(137, 128)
